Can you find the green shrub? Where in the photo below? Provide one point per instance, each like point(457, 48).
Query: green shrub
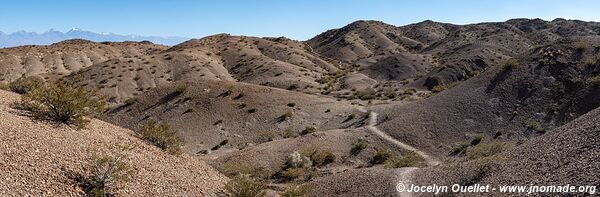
point(308, 130)
point(289, 133)
point(595, 80)
point(476, 140)
point(266, 136)
point(243, 186)
point(234, 169)
point(485, 150)
point(438, 88)
point(130, 101)
point(381, 156)
point(160, 135)
point(296, 191)
point(24, 85)
point(322, 158)
point(286, 115)
point(535, 126)
point(180, 89)
point(409, 159)
point(510, 64)
point(367, 94)
point(291, 174)
point(580, 46)
point(63, 104)
point(358, 146)
point(106, 171)
point(498, 133)
point(460, 148)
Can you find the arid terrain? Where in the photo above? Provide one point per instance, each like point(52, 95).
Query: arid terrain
point(352, 111)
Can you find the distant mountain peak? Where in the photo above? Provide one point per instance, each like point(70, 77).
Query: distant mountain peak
point(21, 38)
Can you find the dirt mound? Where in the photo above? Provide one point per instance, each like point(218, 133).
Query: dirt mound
point(40, 159)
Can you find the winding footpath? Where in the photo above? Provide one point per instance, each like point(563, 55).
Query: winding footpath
point(404, 174)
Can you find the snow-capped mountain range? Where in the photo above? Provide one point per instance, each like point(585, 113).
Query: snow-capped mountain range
point(52, 36)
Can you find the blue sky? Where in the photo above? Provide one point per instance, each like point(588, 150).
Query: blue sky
point(298, 19)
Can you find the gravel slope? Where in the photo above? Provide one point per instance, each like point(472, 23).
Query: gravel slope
point(37, 158)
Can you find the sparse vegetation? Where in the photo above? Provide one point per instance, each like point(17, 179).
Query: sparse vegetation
point(408, 159)
point(291, 104)
point(510, 64)
point(485, 150)
point(438, 88)
point(130, 101)
point(308, 130)
point(62, 103)
point(460, 148)
point(595, 80)
point(24, 85)
point(180, 89)
point(253, 110)
point(476, 140)
point(244, 186)
point(160, 135)
point(381, 156)
point(286, 116)
point(266, 136)
point(358, 146)
point(296, 191)
point(318, 157)
point(535, 126)
point(235, 169)
point(106, 171)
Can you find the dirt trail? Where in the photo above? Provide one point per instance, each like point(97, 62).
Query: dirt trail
point(431, 161)
point(404, 176)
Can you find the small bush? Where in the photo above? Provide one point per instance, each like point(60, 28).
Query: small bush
point(62, 103)
point(266, 136)
point(409, 159)
point(438, 88)
point(580, 46)
point(235, 169)
point(367, 94)
point(498, 133)
point(381, 157)
point(243, 186)
point(160, 135)
point(296, 191)
point(320, 158)
point(130, 101)
point(485, 150)
point(180, 89)
point(460, 148)
point(476, 140)
point(253, 110)
point(291, 104)
point(24, 85)
point(308, 130)
point(106, 170)
point(595, 80)
point(286, 116)
point(510, 64)
point(289, 133)
point(358, 146)
point(535, 126)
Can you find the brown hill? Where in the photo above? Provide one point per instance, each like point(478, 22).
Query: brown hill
point(211, 111)
point(40, 160)
point(61, 59)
